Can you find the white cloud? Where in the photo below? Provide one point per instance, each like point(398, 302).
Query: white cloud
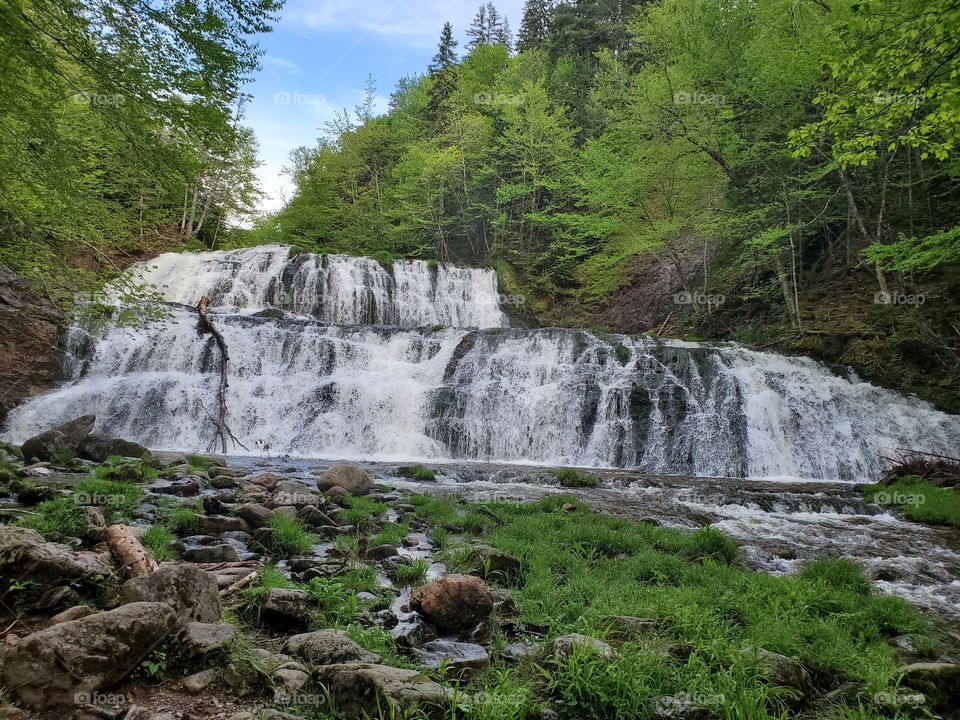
point(279, 63)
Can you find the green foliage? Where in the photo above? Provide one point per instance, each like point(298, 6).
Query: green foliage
point(359, 509)
point(571, 477)
point(117, 499)
point(412, 574)
point(158, 539)
point(918, 499)
point(61, 516)
point(421, 473)
point(181, 518)
point(288, 536)
point(120, 470)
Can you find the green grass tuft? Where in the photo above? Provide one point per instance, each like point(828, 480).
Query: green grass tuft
point(918, 500)
point(289, 536)
point(570, 477)
point(158, 540)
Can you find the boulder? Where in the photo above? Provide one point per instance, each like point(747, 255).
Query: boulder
point(329, 647)
point(74, 613)
point(267, 481)
point(493, 560)
point(359, 688)
point(461, 660)
point(198, 682)
point(162, 460)
point(295, 494)
point(65, 438)
point(198, 639)
point(190, 591)
point(222, 552)
point(99, 447)
point(51, 667)
point(782, 670)
point(381, 552)
point(565, 646)
point(217, 524)
point(413, 632)
point(25, 555)
point(257, 516)
point(289, 608)
point(315, 517)
point(938, 681)
point(454, 603)
point(352, 478)
point(223, 471)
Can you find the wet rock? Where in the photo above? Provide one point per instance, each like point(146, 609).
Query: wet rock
point(268, 481)
point(381, 552)
point(782, 670)
point(198, 682)
point(179, 488)
point(462, 660)
point(223, 471)
point(336, 494)
point(352, 478)
point(938, 681)
point(328, 647)
point(213, 505)
point(49, 668)
point(414, 632)
point(223, 482)
point(289, 608)
point(191, 592)
point(454, 603)
point(99, 447)
point(212, 554)
point(162, 459)
point(359, 688)
point(217, 524)
point(22, 549)
point(563, 647)
point(297, 494)
point(63, 439)
point(199, 639)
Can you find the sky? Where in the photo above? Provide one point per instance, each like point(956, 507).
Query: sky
point(319, 56)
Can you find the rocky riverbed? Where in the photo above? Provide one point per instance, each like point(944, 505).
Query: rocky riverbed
point(286, 588)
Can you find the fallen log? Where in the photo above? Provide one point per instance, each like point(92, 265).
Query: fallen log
point(134, 559)
point(240, 584)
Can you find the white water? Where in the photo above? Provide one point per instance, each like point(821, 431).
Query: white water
point(331, 386)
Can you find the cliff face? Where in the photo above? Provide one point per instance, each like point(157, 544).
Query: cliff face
point(29, 329)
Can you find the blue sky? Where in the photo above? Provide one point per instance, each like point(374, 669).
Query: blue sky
point(318, 59)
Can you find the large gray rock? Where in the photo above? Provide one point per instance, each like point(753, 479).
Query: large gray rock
point(64, 438)
point(25, 555)
point(295, 494)
point(190, 591)
point(289, 608)
point(454, 603)
point(198, 639)
point(57, 666)
point(99, 447)
point(359, 688)
point(217, 524)
point(352, 478)
point(256, 515)
point(462, 660)
point(329, 647)
point(565, 646)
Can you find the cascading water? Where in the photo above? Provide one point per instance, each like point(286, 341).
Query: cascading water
point(357, 367)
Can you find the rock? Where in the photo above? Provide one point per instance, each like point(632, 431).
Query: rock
point(315, 517)
point(63, 439)
point(49, 668)
point(191, 592)
point(208, 460)
point(223, 471)
point(288, 684)
point(462, 660)
point(257, 516)
point(352, 478)
point(198, 682)
point(454, 603)
point(199, 639)
point(938, 681)
point(336, 494)
point(57, 598)
point(381, 552)
point(563, 647)
point(217, 524)
point(568, 507)
point(35, 494)
point(677, 707)
point(297, 494)
point(359, 688)
point(328, 647)
point(623, 627)
point(782, 670)
point(213, 505)
point(74, 613)
point(267, 481)
point(24, 554)
point(223, 483)
point(518, 651)
point(496, 561)
point(289, 608)
point(212, 554)
point(99, 447)
point(162, 460)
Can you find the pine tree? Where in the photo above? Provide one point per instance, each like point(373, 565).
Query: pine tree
point(504, 36)
point(533, 28)
point(446, 56)
point(478, 31)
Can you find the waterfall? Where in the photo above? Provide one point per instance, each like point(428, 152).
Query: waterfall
point(416, 363)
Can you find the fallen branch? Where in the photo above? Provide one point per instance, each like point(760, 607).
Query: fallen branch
point(206, 327)
point(134, 559)
point(240, 584)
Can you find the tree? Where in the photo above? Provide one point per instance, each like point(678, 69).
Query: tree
point(443, 73)
point(534, 26)
point(479, 32)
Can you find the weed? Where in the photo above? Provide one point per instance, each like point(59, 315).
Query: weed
point(158, 540)
point(571, 477)
point(289, 536)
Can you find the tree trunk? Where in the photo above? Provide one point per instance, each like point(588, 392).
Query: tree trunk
point(130, 553)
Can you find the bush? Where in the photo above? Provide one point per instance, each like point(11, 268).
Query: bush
point(570, 477)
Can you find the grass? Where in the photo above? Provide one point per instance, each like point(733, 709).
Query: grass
point(180, 518)
point(158, 539)
point(412, 574)
point(582, 567)
point(572, 478)
point(117, 499)
point(359, 509)
point(391, 534)
point(289, 536)
point(118, 469)
point(420, 472)
point(918, 500)
point(61, 516)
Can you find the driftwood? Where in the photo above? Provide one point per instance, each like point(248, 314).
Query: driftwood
point(940, 470)
point(206, 327)
point(129, 551)
point(214, 566)
point(240, 584)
